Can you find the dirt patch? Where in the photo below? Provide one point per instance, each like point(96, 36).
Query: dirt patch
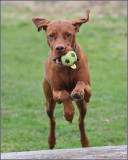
point(64, 8)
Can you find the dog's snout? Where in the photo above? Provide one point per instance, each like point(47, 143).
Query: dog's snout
point(59, 48)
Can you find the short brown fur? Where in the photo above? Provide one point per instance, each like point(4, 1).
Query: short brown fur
point(63, 84)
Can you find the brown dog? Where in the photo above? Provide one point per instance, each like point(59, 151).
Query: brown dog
point(63, 84)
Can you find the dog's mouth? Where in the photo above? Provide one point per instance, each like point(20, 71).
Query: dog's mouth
point(57, 61)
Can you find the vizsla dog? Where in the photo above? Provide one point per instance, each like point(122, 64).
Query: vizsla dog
point(63, 84)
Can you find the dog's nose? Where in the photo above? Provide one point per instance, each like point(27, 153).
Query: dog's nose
point(59, 48)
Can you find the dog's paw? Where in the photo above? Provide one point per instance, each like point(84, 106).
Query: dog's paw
point(69, 111)
point(77, 95)
point(85, 142)
point(51, 141)
point(69, 116)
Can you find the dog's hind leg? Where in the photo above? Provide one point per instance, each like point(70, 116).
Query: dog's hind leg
point(82, 110)
point(50, 106)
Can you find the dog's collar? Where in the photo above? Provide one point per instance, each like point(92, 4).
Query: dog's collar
point(75, 49)
point(75, 52)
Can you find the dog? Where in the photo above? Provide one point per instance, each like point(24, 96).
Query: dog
point(62, 84)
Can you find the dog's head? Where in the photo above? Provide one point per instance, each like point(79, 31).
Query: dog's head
point(60, 33)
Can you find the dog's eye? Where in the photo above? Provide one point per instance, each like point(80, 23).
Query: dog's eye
point(51, 35)
point(68, 34)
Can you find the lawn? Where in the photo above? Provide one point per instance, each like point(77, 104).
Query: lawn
point(24, 123)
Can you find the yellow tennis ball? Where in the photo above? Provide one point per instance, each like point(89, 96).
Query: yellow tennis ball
point(69, 59)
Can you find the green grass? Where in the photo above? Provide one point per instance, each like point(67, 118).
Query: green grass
point(24, 123)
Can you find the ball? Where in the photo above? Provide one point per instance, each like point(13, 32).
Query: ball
point(69, 58)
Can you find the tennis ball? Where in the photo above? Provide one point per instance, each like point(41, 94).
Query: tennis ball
point(69, 59)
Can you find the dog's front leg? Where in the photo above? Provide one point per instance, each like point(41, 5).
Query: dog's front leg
point(64, 97)
point(81, 91)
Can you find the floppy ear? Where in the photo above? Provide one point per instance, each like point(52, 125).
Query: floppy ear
point(41, 23)
point(77, 23)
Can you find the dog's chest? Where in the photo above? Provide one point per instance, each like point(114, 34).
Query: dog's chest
point(66, 79)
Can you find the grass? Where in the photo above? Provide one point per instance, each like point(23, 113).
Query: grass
point(24, 123)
